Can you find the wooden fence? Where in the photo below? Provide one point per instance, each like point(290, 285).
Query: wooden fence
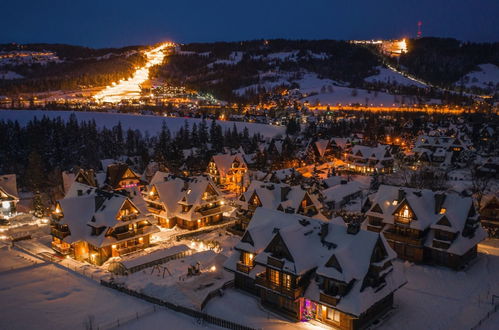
point(177, 308)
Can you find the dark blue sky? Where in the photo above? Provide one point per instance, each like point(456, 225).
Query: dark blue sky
point(102, 23)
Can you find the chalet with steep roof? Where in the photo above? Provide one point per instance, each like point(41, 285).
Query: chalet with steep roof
point(8, 195)
point(230, 172)
point(189, 203)
point(94, 225)
point(425, 226)
point(367, 160)
point(309, 269)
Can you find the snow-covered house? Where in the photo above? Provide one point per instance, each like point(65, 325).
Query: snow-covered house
point(367, 160)
point(489, 215)
point(229, 172)
point(8, 195)
point(426, 226)
point(286, 175)
point(437, 150)
point(281, 197)
point(322, 150)
point(310, 269)
point(94, 225)
point(337, 196)
point(88, 177)
point(188, 203)
point(120, 176)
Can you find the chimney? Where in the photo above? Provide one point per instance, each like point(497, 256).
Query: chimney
point(439, 201)
point(324, 231)
point(353, 227)
point(284, 193)
point(401, 195)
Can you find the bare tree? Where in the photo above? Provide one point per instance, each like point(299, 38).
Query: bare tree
point(480, 184)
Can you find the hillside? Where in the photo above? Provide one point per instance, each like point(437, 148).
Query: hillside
point(47, 67)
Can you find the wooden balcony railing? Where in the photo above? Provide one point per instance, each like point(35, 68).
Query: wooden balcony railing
point(391, 235)
point(58, 232)
point(130, 249)
point(243, 268)
point(293, 293)
point(129, 234)
point(275, 262)
point(61, 249)
point(439, 244)
point(330, 300)
point(210, 211)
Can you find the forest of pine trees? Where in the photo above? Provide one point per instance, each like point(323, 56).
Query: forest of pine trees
point(39, 151)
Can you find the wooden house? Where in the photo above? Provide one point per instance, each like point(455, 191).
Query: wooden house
point(189, 203)
point(367, 160)
point(229, 172)
point(93, 225)
point(308, 269)
point(424, 226)
point(8, 195)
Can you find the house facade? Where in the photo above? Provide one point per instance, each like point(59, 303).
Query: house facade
point(94, 225)
point(230, 172)
point(8, 195)
point(309, 269)
point(188, 203)
point(367, 160)
point(424, 226)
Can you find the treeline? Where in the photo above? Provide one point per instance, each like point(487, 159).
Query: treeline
point(444, 61)
point(336, 60)
point(81, 68)
point(39, 151)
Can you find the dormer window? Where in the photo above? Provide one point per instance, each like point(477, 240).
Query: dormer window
point(442, 210)
point(395, 202)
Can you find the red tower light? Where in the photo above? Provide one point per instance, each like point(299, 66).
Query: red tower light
point(420, 33)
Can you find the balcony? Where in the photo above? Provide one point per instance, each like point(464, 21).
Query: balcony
point(327, 299)
point(262, 281)
point(210, 211)
point(58, 232)
point(271, 261)
point(440, 244)
point(128, 234)
point(130, 249)
point(128, 217)
point(61, 248)
point(243, 268)
point(392, 235)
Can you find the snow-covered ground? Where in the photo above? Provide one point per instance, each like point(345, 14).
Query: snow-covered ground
point(9, 75)
point(434, 298)
point(144, 123)
point(389, 76)
point(486, 77)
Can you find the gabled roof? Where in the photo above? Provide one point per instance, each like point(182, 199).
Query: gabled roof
point(116, 172)
point(224, 162)
point(8, 184)
point(381, 152)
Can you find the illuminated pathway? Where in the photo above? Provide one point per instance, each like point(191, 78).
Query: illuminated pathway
point(130, 88)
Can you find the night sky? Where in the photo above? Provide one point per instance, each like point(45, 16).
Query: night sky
point(106, 23)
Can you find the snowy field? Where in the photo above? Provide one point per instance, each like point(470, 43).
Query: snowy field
point(486, 77)
point(386, 75)
point(44, 296)
point(144, 123)
point(435, 298)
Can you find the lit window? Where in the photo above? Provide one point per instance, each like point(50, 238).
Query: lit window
point(442, 210)
point(333, 315)
point(405, 212)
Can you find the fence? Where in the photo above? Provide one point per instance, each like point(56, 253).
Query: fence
point(486, 317)
point(181, 309)
point(128, 318)
point(214, 293)
point(203, 230)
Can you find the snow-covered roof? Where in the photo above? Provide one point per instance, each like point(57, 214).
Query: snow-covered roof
point(187, 191)
point(8, 184)
point(381, 152)
point(279, 195)
point(85, 207)
point(312, 244)
point(447, 211)
point(224, 162)
point(340, 191)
